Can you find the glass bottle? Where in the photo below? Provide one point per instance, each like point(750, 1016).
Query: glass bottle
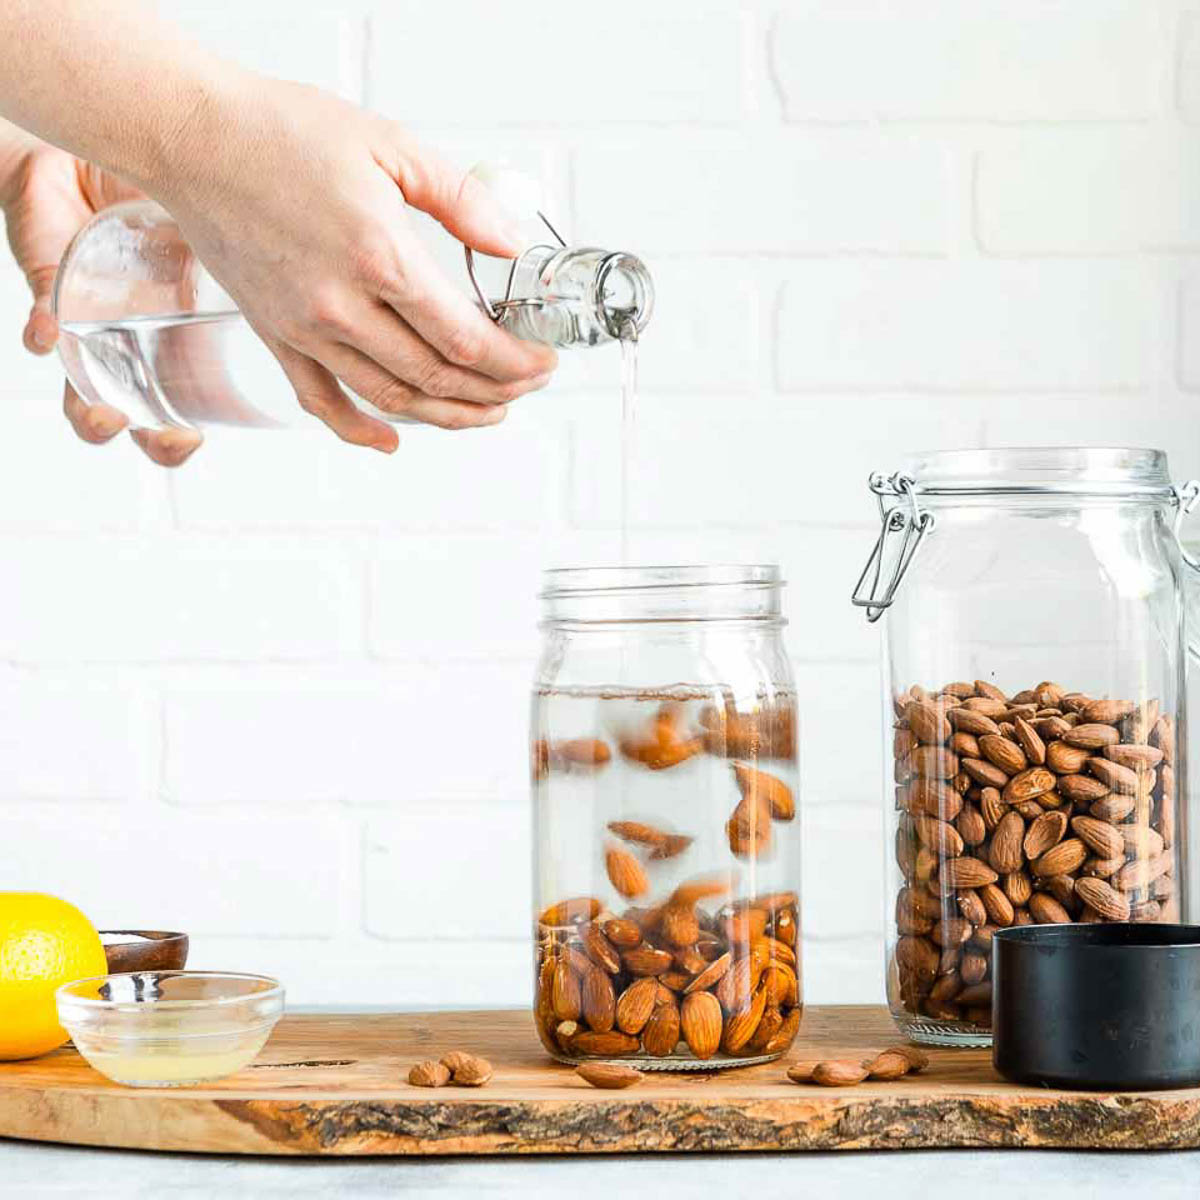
point(1033, 606)
point(146, 329)
point(667, 845)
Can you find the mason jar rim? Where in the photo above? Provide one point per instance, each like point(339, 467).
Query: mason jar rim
point(580, 581)
point(1118, 471)
point(599, 597)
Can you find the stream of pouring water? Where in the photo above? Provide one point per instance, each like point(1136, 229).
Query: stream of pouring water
point(628, 428)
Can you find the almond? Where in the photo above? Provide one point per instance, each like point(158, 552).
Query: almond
point(1141, 841)
point(991, 807)
point(749, 828)
point(839, 1072)
point(579, 752)
point(1137, 758)
point(734, 988)
point(1005, 851)
point(1106, 712)
point(1066, 760)
point(1162, 736)
point(679, 925)
point(1045, 910)
point(1103, 898)
point(571, 912)
point(1028, 785)
point(1030, 742)
point(1103, 868)
point(700, 1023)
point(603, 1045)
point(918, 1060)
point(780, 986)
point(785, 1034)
point(429, 1074)
point(1046, 831)
point(802, 1071)
point(662, 843)
point(1062, 859)
point(625, 873)
point(971, 907)
point(933, 762)
point(967, 720)
point(1018, 887)
point(1101, 838)
point(971, 826)
point(918, 957)
point(1112, 807)
point(1050, 729)
point(661, 1033)
point(704, 887)
point(991, 691)
point(984, 773)
point(935, 798)
point(608, 1075)
point(996, 905)
point(566, 994)
point(939, 836)
point(711, 974)
point(974, 966)
point(598, 1000)
point(774, 792)
point(635, 1005)
point(951, 931)
point(966, 872)
point(599, 949)
point(1116, 777)
point(646, 960)
point(622, 934)
point(1140, 873)
point(888, 1065)
point(1091, 737)
point(467, 1070)
point(741, 1025)
point(965, 745)
point(1006, 755)
point(1082, 789)
point(927, 722)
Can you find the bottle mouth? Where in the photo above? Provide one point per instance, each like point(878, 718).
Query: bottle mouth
point(601, 595)
point(624, 294)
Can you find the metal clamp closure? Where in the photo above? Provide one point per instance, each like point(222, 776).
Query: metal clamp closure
point(904, 517)
point(1186, 498)
point(496, 308)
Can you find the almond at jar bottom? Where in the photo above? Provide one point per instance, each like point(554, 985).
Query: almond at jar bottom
point(663, 952)
point(1044, 807)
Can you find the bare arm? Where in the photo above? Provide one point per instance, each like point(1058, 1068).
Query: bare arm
point(294, 200)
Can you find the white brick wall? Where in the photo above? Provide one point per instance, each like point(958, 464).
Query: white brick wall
point(234, 696)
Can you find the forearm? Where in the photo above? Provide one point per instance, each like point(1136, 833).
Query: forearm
point(109, 81)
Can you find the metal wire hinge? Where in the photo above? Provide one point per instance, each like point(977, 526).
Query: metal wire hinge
point(497, 308)
point(1186, 498)
point(904, 519)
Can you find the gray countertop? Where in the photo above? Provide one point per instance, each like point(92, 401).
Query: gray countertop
point(32, 1169)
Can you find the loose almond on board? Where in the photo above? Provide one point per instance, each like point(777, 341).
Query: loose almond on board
point(429, 1074)
point(608, 1075)
point(839, 1072)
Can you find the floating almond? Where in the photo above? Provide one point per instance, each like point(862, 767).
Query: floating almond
point(662, 745)
point(776, 793)
point(703, 887)
point(579, 752)
point(625, 873)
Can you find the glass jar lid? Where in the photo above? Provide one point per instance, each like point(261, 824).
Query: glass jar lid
point(1042, 470)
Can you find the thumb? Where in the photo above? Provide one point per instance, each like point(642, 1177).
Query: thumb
point(460, 202)
point(41, 330)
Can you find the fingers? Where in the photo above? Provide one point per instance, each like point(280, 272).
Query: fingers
point(381, 335)
point(391, 395)
point(458, 200)
point(167, 447)
point(94, 423)
point(456, 329)
point(318, 393)
point(41, 329)
point(98, 423)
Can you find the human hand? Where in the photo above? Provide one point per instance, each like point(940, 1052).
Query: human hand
point(48, 196)
point(296, 202)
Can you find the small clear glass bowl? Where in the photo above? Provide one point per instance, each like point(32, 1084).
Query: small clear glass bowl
point(170, 1028)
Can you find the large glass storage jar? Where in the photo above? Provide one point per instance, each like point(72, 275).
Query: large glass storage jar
point(667, 845)
point(1034, 675)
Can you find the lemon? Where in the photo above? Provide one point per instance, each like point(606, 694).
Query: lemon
point(44, 942)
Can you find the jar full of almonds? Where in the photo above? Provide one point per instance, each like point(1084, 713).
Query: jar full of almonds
point(667, 846)
point(1033, 605)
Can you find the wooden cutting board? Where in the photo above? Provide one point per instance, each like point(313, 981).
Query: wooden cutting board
point(334, 1084)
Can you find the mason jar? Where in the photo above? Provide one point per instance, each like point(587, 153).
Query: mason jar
point(1033, 611)
point(666, 840)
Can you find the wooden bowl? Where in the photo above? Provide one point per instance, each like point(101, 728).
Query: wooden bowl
point(143, 950)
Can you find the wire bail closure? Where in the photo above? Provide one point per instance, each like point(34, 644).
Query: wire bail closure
point(904, 517)
point(497, 308)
